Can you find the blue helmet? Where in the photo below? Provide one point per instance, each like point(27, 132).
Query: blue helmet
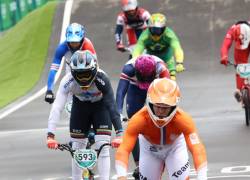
point(75, 33)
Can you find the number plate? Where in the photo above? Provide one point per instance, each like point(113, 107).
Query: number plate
point(243, 70)
point(85, 158)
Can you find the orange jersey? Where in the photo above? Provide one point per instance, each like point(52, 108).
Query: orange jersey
point(141, 123)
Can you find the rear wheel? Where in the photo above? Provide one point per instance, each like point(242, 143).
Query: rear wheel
point(246, 102)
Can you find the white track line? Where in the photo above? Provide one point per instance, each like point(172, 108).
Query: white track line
point(13, 107)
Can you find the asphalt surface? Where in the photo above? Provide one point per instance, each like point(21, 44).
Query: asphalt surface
point(206, 86)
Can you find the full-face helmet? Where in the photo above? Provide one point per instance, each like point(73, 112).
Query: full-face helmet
point(145, 70)
point(75, 34)
point(129, 7)
point(157, 25)
point(162, 98)
point(84, 67)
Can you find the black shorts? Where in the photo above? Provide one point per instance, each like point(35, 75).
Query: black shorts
point(84, 114)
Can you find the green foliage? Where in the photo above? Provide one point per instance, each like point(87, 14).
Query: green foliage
point(23, 52)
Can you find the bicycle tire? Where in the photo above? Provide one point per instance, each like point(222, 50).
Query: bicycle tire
point(246, 102)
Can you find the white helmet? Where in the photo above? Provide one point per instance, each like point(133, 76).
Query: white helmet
point(128, 5)
point(242, 36)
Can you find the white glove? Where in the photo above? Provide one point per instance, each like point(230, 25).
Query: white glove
point(123, 118)
point(202, 173)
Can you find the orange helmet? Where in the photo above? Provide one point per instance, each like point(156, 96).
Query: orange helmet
point(162, 93)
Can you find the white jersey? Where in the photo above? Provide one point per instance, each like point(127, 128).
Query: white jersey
point(100, 89)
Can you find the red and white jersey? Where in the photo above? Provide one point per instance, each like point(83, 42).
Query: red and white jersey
point(133, 27)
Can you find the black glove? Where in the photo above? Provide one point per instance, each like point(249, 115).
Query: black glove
point(49, 96)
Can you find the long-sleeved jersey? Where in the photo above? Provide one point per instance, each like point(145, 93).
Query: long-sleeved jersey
point(128, 78)
point(142, 124)
point(100, 89)
point(168, 40)
point(240, 54)
point(64, 50)
point(133, 27)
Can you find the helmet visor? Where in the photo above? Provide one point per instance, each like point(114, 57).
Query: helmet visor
point(156, 31)
point(162, 110)
point(130, 14)
point(83, 75)
point(145, 78)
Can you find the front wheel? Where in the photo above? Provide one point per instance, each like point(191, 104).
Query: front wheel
point(246, 102)
point(247, 114)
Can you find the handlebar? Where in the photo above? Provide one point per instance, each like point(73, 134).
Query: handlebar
point(128, 49)
point(68, 147)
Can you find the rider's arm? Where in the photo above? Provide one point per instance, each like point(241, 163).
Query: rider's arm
point(125, 78)
point(146, 16)
point(161, 69)
point(127, 145)
point(103, 84)
point(194, 143)
point(140, 46)
point(227, 42)
point(88, 45)
point(59, 53)
point(175, 44)
point(119, 29)
point(58, 105)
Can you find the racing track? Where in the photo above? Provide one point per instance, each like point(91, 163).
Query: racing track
point(206, 87)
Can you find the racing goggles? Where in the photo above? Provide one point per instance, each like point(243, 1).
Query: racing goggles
point(156, 31)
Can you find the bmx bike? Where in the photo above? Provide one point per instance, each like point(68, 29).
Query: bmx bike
point(86, 159)
point(243, 70)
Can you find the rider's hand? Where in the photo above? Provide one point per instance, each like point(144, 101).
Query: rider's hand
point(179, 67)
point(123, 118)
point(224, 60)
point(173, 78)
point(117, 140)
point(120, 47)
point(51, 142)
point(49, 96)
point(202, 173)
point(122, 178)
point(173, 75)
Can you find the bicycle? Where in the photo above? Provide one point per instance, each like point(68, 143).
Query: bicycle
point(86, 159)
point(243, 70)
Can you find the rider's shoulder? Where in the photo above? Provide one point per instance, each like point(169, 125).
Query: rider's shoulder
point(63, 46)
point(66, 81)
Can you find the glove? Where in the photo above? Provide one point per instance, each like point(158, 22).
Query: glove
point(179, 67)
point(122, 178)
point(173, 78)
point(116, 142)
point(49, 96)
point(202, 174)
point(51, 142)
point(173, 75)
point(224, 61)
point(120, 47)
point(123, 118)
point(118, 139)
